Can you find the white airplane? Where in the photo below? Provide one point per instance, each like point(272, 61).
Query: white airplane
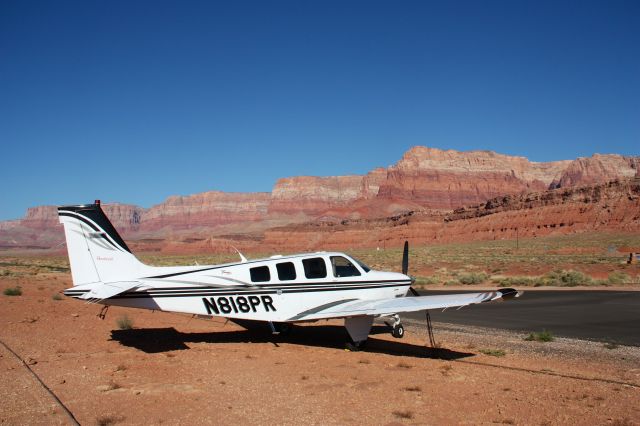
point(279, 290)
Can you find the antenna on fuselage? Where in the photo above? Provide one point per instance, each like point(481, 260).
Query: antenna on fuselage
point(242, 258)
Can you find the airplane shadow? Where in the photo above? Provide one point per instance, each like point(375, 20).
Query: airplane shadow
point(156, 340)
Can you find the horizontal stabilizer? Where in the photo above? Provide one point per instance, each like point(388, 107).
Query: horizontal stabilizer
point(108, 290)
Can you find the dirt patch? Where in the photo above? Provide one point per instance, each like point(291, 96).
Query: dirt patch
point(172, 369)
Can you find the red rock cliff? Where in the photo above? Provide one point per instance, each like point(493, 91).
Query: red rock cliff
point(207, 209)
point(597, 169)
point(445, 180)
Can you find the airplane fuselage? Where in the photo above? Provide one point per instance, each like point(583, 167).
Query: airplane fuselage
point(278, 289)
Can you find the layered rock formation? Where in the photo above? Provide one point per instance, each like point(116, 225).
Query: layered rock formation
point(597, 169)
point(311, 195)
point(425, 180)
point(207, 209)
point(314, 196)
point(41, 229)
point(614, 206)
point(445, 180)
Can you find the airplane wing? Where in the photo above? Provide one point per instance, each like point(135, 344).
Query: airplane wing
point(108, 290)
point(351, 307)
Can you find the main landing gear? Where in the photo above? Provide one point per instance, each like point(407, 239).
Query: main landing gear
point(352, 346)
point(397, 329)
point(281, 328)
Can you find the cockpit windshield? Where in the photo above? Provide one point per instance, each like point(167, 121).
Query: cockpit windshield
point(362, 265)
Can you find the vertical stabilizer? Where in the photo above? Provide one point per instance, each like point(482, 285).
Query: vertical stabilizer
point(97, 253)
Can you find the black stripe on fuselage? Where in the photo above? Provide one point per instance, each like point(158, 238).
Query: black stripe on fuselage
point(204, 292)
point(270, 286)
point(289, 289)
point(289, 285)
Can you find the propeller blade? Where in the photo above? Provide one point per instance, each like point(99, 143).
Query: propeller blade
point(405, 258)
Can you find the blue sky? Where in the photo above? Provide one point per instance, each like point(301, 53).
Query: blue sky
point(134, 101)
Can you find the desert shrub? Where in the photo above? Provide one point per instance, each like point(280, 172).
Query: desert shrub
point(558, 278)
point(57, 296)
point(124, 322)
point(540, 336)
point(493, 352)
point(619, 277)
point(420, 281)
point(518, 281)
point(13, 291)
point(566, 278)
point(403, 414)
point(472, 278)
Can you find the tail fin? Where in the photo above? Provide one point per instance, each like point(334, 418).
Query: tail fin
point(97, 253)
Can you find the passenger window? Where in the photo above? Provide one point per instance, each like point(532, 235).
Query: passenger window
point(314, 267)
point(260, 274)
point(286, 271)
point(343, 268)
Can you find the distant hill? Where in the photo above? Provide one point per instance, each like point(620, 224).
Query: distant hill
point(425, 183)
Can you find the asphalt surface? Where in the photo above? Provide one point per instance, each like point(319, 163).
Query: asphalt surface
point(606, 316)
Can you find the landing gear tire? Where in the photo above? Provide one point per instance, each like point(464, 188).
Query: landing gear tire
point(398, 331)
point(355, 346)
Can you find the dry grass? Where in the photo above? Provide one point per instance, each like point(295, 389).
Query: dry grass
point(108, 420)
point(124, 322)
point(553, 260)
point(446, 369)
point(403, 364)
point(572, 256)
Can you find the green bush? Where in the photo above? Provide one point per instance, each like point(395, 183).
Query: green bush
point(13, 291)
point(472, 278)
point(57, 296)
point(540, 336)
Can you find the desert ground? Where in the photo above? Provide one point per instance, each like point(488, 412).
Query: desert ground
point(60, 362)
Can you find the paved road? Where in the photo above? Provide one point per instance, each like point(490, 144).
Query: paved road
point(608, 316)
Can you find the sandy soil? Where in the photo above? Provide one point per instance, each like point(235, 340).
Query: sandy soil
point(175, 369)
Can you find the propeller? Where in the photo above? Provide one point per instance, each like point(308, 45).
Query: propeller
point(405, 258)
point(405, 266)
